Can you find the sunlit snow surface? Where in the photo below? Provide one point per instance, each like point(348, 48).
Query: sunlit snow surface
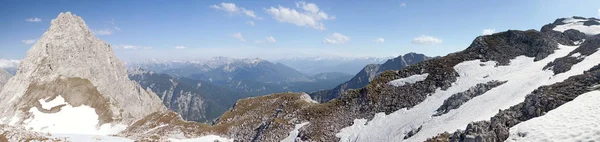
point(577, 24)
point(292, 136)
point(69, 120)
point(209, 138)
point(408, 80)
point(577, 120)
point(523, 75)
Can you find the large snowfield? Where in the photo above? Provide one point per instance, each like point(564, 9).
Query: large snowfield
point(577, 120)
point(523, 75)
point(69, 120)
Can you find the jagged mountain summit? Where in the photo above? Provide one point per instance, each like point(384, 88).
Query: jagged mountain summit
point(367, 74)
point(71, 82)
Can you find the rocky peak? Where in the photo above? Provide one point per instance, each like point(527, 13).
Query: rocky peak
point(67, 24)
point(69, 54)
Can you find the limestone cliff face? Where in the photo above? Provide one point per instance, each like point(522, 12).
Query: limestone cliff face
point(68, 51)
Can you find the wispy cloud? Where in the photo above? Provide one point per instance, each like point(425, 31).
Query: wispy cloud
point(231, 8)
point(336, 38)
point(180, 47)
point(308, 15)
point(269, 39)
point(488, 31)
point(133, 47)
point(101, 32)
point(423, 39)
point(403, 4)
point(379, 40)
point(107, 31)
point(238, 36)
point(29, 41)
point(251, 23)
point(34, 19)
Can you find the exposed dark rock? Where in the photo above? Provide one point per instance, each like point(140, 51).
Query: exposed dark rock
point(413, 132)
point(456, 100)
point(591, 23)
point(564, 64)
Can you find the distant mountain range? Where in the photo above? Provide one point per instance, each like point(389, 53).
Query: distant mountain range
point(201, 90)
point(316, 65)
point(367, 74)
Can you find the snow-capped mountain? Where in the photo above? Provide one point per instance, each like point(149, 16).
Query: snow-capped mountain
point(513, 85)
point(223, 69)
point(316, 65)
point(367, 74)
point(250, 76)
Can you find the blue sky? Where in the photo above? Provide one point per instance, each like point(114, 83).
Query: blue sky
point(198, 29)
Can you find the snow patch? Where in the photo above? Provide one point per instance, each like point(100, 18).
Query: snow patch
point(408, 80)
point(208, 138)
point(69, 120)
point(576, 120)
point(523, 75)
point(577, 24)
point(292, 136)
point(576, 55)
point(59, 100)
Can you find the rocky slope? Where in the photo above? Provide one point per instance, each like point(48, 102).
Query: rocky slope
point(367, 74)
point(511, 71)
point(69, 72)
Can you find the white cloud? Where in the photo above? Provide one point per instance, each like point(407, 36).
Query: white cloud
point(180, 47)
point(488, 31)
point(134, 47)
point(423, 39)
point(4, 64)
point(309, 16)
point(34, 19)
point(29, 41)
point(238, 36)
point(403, 4)
point(379, 40)
point(251, 23)
point(598, 11)
point(336, 38)
point(269, 39)
point(231, 8)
